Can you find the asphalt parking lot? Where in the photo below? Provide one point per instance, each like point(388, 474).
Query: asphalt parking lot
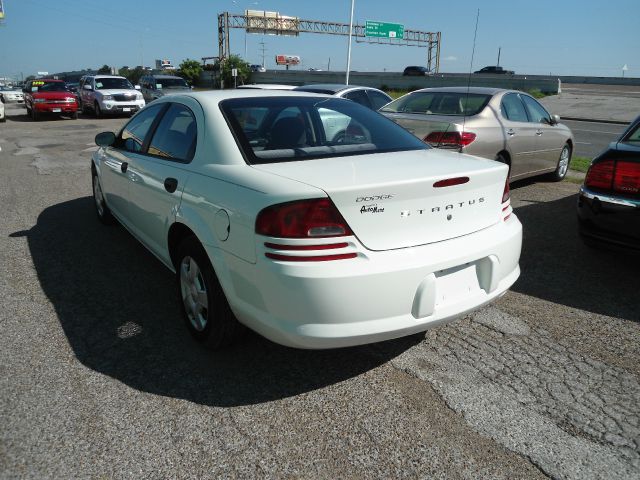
point(100, 378)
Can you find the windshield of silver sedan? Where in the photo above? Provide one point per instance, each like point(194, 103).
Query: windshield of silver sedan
point(281, 129)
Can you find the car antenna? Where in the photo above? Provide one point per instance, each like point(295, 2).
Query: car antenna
point(473, 52)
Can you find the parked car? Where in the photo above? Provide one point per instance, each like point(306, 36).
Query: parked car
point(46, 96)
point(109, 95)
point(258, 68)
point(10, 94)
point(609, 200)
point(267, 86)
point(313, 244)
point(367, 96)
point(505, 125)
point(495, 69)
point(153, 87)
point(416, 71)
point(2, 117)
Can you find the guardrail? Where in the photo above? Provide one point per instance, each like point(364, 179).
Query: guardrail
point(395, 80)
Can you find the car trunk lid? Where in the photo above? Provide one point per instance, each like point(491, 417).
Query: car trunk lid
point(399, 200)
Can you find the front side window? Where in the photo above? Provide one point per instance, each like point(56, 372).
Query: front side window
point(537, 113)
point(279, 129)
point(133, 134)
point(168, 83)
point(175, 137)
point(513, 108)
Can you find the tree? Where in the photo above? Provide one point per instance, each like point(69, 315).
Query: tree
point(244, 71)
point(190, 70)
point(132, 75)
point(105, 69)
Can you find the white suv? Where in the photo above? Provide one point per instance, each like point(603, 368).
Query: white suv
point(108, 94)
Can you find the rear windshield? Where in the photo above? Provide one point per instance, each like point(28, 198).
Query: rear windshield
point(439, 103)
point(281, 129)
point(109, 83)
point(171, 83)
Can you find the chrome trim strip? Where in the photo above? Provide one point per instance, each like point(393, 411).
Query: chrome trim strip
point(605, 198)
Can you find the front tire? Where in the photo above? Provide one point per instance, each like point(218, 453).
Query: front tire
point(563, 164)
point(102, 211)
point(97, 110)
point(205, 308)
point(35, 115)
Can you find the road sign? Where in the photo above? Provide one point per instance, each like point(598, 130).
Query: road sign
point(234, 72)
point(383, 29)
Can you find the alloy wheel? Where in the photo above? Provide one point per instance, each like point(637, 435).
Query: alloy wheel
point(194, 293)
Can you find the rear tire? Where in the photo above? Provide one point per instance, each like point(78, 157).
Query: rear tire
point(205, 308)
point(563, 164)
point(503, 159)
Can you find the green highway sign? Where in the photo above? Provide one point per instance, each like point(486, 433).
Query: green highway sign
point(383, 29)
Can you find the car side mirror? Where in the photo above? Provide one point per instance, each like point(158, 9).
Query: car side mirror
point(137, 87)
point(105, 139)
point(87, 87)
point(555, 119)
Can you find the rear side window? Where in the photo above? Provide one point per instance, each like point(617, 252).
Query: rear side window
point(133, 134)
point(513, 108)
point(378, 100)
point(358, 96)
point(634, 135)
point(175, 137)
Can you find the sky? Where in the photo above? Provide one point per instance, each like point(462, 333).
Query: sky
point(586, 38)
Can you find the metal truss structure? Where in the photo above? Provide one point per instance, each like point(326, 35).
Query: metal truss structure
point(292, 26)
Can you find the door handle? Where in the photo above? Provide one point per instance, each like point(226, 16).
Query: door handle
point(123, 167)
point(170, 184)
point(511, 132)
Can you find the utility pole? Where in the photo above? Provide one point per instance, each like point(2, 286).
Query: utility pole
point(263, 49)
point(349, 49)
point(498, 64)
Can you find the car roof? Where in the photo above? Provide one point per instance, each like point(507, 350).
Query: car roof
point(47, 80)
point(106, 76)
point(480, 90)
point(266, 86)
point(328, 87)
point(162, 76)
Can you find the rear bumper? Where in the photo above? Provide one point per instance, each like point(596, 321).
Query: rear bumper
point(609, 220)
point(377, 295)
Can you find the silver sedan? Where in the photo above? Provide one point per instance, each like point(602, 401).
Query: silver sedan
point(505, 125)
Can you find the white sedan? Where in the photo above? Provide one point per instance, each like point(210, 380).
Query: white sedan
point(10, 95)
point(314, 240)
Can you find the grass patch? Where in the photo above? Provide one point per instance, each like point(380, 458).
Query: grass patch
point(580, 164)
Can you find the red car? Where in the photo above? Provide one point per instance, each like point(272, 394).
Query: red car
point(49, 96)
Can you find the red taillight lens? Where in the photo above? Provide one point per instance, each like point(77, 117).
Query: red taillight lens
point(600, 175)
point(314, 218)
point(450, 139)
point(626, 179)
point(506, 193)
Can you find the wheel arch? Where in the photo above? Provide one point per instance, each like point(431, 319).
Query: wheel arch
point(177, 233)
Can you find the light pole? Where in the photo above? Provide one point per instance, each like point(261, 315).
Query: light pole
point(349, 49)
point(235, 2)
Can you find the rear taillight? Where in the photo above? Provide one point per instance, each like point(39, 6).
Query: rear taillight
point(450, 139)
point(314, 218)
point(620, 176)
point(304, 219)
point(600, 175)
point(506, 201)
point(627, 178)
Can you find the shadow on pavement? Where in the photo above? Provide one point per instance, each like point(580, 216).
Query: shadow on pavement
point(558, 267)
point(119, 310)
